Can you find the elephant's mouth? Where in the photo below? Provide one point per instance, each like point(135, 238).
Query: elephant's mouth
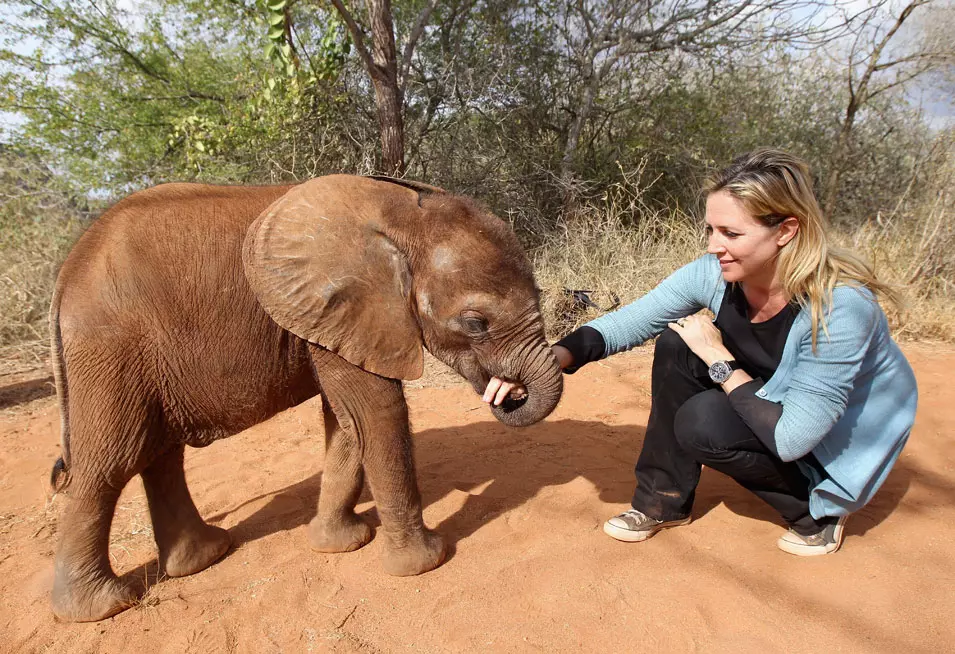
point(511, 404)
point(479, 382)
point(543, 392)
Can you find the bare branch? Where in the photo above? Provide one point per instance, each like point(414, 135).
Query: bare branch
point(916, 57)
point(356, 33)
point(416, 33)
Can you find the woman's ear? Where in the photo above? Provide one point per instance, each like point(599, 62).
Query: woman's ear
point(787, 231)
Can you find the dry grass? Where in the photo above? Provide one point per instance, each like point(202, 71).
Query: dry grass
point(914, 250)
point(34, 240)
point(614, 246)
point(621, 246)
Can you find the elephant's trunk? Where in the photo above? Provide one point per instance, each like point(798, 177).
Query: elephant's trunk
point(541, 375)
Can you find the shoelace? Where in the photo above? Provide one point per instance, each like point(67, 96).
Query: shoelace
point(639, 516)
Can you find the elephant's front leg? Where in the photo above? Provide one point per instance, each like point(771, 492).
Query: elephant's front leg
point(373, 410)
point(337, 528)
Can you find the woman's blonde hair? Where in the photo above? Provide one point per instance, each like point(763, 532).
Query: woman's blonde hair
point(773, 185)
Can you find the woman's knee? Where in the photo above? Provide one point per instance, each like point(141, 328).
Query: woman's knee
point(704, 423)
point(669, 345)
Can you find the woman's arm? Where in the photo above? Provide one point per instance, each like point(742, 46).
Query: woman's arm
point(819, 387)
point(685, 292)
point(818, 391)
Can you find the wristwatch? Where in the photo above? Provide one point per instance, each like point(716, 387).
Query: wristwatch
point(720, 371)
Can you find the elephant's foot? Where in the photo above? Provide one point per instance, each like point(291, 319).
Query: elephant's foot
point(415, 555)
point(91, 600)
point(342, 534)
point(194, 551)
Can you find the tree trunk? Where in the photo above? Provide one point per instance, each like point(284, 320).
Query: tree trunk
point(837, 161)
point(585, 105)
point(384, 76)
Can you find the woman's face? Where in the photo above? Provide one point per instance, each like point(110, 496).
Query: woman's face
point(746, 248)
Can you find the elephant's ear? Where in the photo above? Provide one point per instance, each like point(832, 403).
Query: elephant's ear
point(320, 265)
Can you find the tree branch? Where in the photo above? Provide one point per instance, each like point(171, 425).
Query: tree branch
point(357, 34)
point(416, 33)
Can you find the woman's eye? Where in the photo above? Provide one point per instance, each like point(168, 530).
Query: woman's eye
point(730, 234)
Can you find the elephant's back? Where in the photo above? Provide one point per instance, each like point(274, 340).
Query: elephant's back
point(161, 271)
point(157, 282)
point(158, 240)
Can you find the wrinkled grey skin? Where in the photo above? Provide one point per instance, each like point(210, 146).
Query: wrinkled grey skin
point(188, 313)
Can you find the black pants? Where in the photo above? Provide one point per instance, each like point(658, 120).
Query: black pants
point(692, 424)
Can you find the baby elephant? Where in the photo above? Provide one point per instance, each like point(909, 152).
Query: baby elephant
point(187, 313)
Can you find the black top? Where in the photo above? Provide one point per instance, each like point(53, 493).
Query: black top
point(757, 347)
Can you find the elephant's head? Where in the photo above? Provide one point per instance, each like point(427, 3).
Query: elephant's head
point(373, 269)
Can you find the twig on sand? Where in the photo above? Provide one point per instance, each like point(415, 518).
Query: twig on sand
point(345, 619)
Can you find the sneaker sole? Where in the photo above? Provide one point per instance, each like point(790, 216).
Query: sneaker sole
point(813, 550)
point(628, 536)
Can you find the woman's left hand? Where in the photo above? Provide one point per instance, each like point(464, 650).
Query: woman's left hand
point(702, 337)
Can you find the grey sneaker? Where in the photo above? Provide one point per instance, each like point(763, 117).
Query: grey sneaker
point(633, 526)
point(826, 541)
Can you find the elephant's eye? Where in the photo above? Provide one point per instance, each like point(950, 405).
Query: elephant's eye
point(474, 324)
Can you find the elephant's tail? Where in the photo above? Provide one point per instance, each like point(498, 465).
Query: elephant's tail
point(60, 477)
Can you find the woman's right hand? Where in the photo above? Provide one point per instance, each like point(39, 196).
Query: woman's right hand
point(498, 389)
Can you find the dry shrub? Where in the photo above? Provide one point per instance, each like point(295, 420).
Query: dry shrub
point(913, 248)
point(616, 245)
point(35, 236)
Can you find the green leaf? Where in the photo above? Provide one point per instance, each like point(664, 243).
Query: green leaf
point(277, 5)
point(277, 19)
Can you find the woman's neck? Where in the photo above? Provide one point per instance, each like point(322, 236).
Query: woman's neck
point(764, 301)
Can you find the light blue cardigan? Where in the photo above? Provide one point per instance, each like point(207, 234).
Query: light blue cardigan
point(851, 403)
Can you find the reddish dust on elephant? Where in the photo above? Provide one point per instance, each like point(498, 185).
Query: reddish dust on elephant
point(188, 313)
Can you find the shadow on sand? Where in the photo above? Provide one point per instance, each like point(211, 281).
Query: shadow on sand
point(512, 466)
point(26, 391)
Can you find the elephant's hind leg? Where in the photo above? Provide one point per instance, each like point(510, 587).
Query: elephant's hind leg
point(186, 543)
point(336, 527)
point(85, 589)
point(110, 430)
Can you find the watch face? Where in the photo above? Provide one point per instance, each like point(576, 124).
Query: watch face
point(720, 371)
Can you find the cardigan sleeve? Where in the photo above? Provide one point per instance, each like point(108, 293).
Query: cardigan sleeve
point(685, 292)
point(821, 382)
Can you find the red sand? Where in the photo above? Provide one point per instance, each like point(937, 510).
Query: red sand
point(530, 569)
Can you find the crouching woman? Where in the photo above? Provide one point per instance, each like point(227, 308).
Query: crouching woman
point(796, 390)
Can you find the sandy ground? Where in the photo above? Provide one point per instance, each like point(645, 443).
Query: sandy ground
point(530, 569)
